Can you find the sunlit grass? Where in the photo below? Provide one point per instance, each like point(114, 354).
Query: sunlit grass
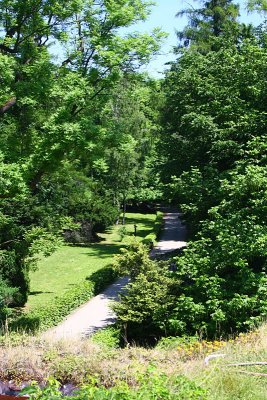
point(72, 264)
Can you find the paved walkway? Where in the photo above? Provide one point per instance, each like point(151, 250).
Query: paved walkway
point(96, 313)
point(173, 236)
point(91, 316)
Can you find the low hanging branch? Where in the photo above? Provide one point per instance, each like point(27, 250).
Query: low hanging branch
point(10, 103)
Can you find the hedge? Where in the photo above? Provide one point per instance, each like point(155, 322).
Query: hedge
point(152, 238)
point(51, 314)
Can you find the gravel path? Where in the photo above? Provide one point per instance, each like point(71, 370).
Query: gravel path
point(96, 313)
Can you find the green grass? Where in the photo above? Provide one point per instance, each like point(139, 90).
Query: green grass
point(70, 265)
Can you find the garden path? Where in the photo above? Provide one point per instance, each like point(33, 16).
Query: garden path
point(96, 313)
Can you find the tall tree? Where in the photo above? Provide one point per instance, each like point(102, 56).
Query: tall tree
point(215, 19)
point(50, 112)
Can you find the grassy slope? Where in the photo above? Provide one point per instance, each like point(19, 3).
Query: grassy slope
point(71, 264)
point(73, 361)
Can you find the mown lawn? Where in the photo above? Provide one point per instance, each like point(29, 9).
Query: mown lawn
point(72, 264)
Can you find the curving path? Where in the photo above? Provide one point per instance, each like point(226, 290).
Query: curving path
point(91, 316)
point(96, 313)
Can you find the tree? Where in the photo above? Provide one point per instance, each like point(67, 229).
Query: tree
point(129, 124)
point(50, 112)
point(211, 25)
point(212, 149)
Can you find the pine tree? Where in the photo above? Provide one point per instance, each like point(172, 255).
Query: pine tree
point(215, 19)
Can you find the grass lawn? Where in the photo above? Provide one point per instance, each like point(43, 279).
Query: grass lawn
point(72, 264)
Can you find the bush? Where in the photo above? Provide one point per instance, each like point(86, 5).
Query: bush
point(151, 239)
point(102, 278)
point(151, 385)
point(109, 337)
point(158, 224)
point(143, 310)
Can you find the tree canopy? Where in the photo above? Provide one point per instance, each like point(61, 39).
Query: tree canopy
point(64, 135)
point(212, 160)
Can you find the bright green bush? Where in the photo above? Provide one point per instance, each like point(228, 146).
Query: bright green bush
point(109, 337)
point(150, 240)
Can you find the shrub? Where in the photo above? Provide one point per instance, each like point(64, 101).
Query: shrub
point(143, 310)
point(102, 278)
point(151, 385)
point(151, 239)
point(122, 233)
point(109, 337)
point(158, 224)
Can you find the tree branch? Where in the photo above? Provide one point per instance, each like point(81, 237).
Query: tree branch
point(10, 103)
point(7, 49)
point(242, 364)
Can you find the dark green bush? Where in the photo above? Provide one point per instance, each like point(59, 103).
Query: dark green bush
point(158, 224)
point(102, 278)
point(151, 239)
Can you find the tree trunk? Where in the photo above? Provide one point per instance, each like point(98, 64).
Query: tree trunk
point(10, 103)
point(124, 210)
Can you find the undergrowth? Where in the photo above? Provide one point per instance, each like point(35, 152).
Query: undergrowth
point(177, 368)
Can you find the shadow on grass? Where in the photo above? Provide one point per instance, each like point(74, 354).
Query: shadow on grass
point(34, 293)
point(142, 233)
point(104, 250)
point(140, 220)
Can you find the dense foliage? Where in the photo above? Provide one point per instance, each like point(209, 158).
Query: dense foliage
point(69, 156)
point(213, 162)
point(150, 385)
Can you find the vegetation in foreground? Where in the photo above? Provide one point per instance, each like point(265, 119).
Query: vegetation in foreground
point(174, 367)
